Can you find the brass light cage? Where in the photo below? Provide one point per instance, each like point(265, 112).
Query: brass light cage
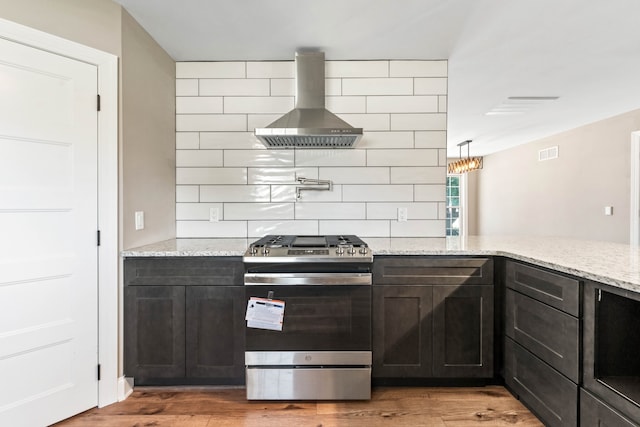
point(467, 164)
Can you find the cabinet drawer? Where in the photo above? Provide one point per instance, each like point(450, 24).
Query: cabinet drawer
point(550, 395)
point(550, 334)
point(421, 270)
point(171, 271)
point(558, 291)
point(595, 413)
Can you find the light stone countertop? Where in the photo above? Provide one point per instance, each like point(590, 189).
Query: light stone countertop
point(610, 263)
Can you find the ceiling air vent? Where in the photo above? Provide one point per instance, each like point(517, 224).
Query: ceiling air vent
point(548, 154)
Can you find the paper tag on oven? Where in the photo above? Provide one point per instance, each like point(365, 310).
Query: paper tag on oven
point(263, 313)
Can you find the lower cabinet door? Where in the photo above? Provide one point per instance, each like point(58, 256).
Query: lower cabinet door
point(154, 333)
point(548, 393)
point(215, 333)
point(402, 331)
point(595, 413)
point(463, 331)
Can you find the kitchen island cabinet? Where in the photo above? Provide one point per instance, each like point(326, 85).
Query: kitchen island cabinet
point(184, 320)
point(433, 317)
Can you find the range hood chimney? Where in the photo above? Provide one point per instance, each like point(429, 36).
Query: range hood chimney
point(309, 124)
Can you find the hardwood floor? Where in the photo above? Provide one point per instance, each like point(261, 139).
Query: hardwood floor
point(389, 406)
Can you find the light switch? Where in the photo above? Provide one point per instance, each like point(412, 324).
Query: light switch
point(214, 214)
point(139, 220)
point(608, 210)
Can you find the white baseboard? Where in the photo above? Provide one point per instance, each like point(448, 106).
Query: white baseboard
point(125, 388)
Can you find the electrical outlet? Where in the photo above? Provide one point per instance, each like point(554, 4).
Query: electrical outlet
point(214, 214)
point(139, 220)
point(402, 214)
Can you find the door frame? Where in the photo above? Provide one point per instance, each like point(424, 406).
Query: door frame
point(634, 214)
point(107, 66)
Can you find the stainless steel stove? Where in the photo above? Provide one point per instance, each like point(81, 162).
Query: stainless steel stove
point(288, 248)
point(323, 351)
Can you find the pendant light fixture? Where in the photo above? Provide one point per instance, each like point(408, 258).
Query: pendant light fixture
point(465, 165)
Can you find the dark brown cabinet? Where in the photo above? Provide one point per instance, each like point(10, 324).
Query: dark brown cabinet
point(184, 320)
point(542, 342)
point(433, 317)
point(595, 413)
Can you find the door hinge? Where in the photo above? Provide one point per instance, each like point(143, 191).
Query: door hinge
point(98, 105)
point(599, 295)
point(98, 372)
point(98, 238)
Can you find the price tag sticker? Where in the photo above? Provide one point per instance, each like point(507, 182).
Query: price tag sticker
point(263, 313)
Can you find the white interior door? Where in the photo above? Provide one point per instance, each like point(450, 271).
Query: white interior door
point(48, 223)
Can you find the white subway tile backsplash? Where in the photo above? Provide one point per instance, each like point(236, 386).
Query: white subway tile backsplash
point(430, 86)
point(418, 175)
point(196, 211)
point(187, 140)
point(357, 227)
point(186, 87)
point(402, 104)
point(430, 192)
point(211, 176)
point(346, 104)
point(198, 104)
point(434, 121)
point(287, 193)
point(431, 139)
point(442, 210)
point(368, 122)
point(402, 157)
point(280, 175)
point(283, 87)
point(357, 69)
point(257, 104)
point(270, 69)
point(234, 87)
point(386, 139)
point(330, 157)
point(260, 120)
point(229, 140)
point(377, 193)
point(258, 158)
point(415, 210)
point(258, 211)
point(355, 175)
point(330, 210)
point(418, 68)
point(211, 122)
point(187, 193)
point(400, 162)
point(423, 228)
point(234, 193)
point(202, 70)
point(207, 229)
point(260, 228)
point(198, 158)
point(442, 104)
point(389, 86)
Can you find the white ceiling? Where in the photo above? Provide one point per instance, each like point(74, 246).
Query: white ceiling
point(586, 52)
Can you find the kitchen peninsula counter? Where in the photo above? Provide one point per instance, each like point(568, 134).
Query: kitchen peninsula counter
point(614, 264)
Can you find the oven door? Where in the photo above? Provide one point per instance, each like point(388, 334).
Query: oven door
point(323, 311)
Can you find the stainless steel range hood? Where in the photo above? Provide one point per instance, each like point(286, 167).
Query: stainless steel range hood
point(309, 124)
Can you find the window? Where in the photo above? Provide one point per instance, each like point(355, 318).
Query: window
point(453, 207)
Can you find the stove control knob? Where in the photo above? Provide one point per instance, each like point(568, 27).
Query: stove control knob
point(253, 250)
point(340, 250)
point(265, 251)
point(363, 250)
point(351, 250)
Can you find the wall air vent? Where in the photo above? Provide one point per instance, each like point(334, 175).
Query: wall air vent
point(519, 105)
point(548, 154)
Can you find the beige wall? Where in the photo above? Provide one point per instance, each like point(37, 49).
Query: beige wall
point(517, 194)
point(148, 123)
point(146, 105)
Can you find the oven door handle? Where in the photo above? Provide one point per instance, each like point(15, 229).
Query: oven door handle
point(314, 279)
